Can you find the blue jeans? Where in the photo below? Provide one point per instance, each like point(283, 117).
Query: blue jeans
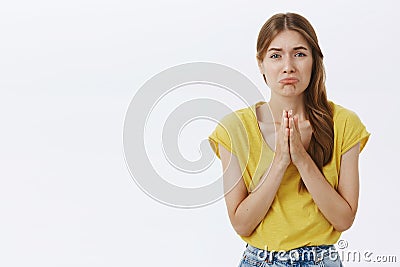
point(308, 256)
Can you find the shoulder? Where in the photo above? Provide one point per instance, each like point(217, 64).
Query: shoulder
point(349, 128)
point(232, 131)
point(342, 115)
point(241, 116)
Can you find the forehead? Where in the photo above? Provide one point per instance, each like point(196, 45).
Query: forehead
point(288, 39)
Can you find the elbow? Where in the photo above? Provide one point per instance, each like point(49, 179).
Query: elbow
point(344, 225)
point(342, 228)
point(243, 230)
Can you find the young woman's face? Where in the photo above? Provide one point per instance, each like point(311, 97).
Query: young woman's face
point(287, 64)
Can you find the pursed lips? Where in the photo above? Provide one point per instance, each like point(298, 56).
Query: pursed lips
point(290, 80)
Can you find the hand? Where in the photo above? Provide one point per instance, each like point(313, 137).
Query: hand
point(297, 150)
point(282, 152)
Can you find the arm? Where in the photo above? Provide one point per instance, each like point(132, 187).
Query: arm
point(246, 210)
point(339, 207)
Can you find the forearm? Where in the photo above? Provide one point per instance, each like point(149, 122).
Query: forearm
point(255, 206)
point(332, 205)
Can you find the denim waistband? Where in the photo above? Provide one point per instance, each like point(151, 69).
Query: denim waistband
point(306, 253)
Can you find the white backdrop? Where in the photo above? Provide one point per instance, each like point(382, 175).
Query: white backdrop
point(68, 71)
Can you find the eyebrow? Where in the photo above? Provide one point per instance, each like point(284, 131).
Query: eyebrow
point(294, 48)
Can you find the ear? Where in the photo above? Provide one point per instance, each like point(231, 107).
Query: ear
point(260, 66)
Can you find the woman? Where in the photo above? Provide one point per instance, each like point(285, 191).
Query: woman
point(290, 165)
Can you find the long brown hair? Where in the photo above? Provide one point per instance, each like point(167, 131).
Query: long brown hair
point(318, 109)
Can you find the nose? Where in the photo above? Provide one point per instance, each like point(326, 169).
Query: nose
point(288, 66)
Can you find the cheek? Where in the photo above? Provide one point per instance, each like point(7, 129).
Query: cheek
point(307, 68)
point(271, 70)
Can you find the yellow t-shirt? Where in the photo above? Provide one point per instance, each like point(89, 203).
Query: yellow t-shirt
point(293, 219)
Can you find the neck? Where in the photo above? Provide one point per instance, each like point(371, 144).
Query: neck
point(280, 103)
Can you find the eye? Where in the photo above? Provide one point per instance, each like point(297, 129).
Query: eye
point(299, 54)
point(274, 56)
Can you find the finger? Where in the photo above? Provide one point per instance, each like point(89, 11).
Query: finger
point(286, 140)
point(284, 120)
point(285, 130)
point(291, 123)
point(285, 123)
point(291, 134)
point(296, 123)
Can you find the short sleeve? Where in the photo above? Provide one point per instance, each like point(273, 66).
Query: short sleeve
point(354, 132)
point(221, 135)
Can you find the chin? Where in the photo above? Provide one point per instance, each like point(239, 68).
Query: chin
point(291, 91)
